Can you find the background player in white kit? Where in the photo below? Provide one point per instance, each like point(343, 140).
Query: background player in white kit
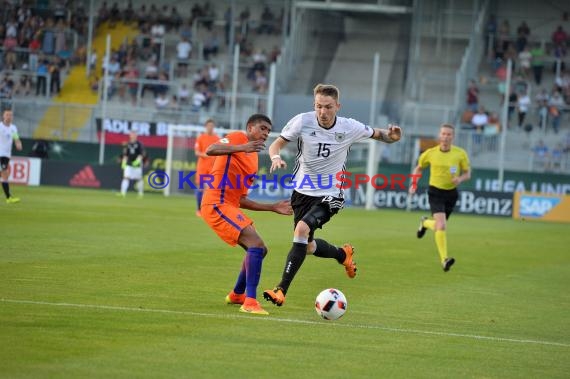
point(323, 140)
point(8, 135)
point(132, 163)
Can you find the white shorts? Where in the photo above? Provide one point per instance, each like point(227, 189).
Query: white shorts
point(133, 173)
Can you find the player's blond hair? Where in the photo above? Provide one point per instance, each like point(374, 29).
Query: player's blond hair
point(449, 126)
point(327, 90)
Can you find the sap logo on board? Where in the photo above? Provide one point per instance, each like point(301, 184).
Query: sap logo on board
point(536, 206)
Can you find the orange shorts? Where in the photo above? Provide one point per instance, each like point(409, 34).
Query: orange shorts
point(226, 220)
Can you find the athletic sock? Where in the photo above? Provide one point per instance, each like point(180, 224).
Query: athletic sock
point(124, 186)
point(6, 188)
point(253, 262)
point(429, 224)
point(441, 243)
point(140, 187)
point(240, 283)
point(326, 250)
point(293, 263)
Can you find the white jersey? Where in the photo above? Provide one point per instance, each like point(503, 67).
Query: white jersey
point(322, 153)
point(6, 139)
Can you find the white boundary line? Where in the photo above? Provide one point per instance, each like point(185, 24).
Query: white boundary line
point(287, 320)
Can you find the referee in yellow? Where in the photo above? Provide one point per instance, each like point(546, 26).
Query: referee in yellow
point(449, 167)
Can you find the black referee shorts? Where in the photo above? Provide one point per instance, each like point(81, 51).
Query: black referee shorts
point(441, 200)
point(4, 162)
point(318, 208)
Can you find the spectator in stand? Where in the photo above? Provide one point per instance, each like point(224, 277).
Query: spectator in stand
point(150, 73)
point(7, 87)
point(266, 21)
point(113, 67)
point(142, 16)
point(10, 59)
point(525, 58)
point(129, 13)
point(162, 87)
point(556, 157)
point(24, 85)
point(541, 155)
point(511, 53)
point(227, 24)
point(559, 54)
point(175, 19)
point(559, 37)
point(131, 76)
point(41, 80)
point(480, 119)
point(198, 101)
point(513, 100)
point(244, 21)
point(157, 32)
point(33, 58)
point(183, 94)
point(555, 106)
point(472, 96)
point(162, 102)
point(186, 31)
point(503, 40)
point(274, 54)
point(566, 146)
point(213, 77)
point(541, 100)
point(211, 45)
point(55, 76)
point(523, 104)
point(523, 33)
point(183, 50)
point(103, 13)
point(259, 63)
point(491, 32)
point(537, 62)
point(260, 82)
point(501, 74)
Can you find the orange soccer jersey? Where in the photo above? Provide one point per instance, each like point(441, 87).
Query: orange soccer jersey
point(204, 163)
point(232, 175)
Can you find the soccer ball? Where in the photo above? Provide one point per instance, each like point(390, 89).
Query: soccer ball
point(331, 304)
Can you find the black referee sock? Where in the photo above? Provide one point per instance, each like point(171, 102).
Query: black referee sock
point(6, 188)
point(293, 263)
point(326, 250)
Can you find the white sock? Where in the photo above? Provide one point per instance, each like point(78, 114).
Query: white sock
point(124, 186)
point(140, 186)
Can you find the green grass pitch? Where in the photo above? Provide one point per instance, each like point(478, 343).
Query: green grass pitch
point(92, 285)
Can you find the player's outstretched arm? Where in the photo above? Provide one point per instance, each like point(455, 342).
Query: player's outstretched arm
point(274, 149)
point(282, 207)
point(391, 134)
point(226, 149)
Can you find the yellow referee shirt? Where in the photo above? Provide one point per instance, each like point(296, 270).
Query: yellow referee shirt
point(444, 165)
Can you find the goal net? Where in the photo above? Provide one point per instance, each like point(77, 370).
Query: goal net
point(364, 158)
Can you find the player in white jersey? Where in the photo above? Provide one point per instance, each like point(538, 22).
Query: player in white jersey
point(8, 135)
point(324, 140)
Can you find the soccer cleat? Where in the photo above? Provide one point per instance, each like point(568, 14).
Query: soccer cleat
point(422, 229)
point(276, 296)
point(252, 306)
point(349, 264)
point(12, 200)
point(120, 194)
point(447, 263)
point(235, 298)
